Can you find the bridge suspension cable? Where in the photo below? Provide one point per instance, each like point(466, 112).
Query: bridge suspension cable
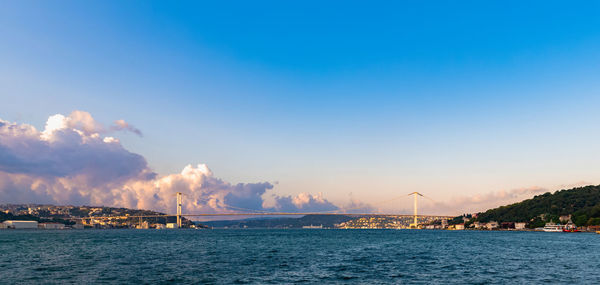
point(224, 205)
point(255, 212)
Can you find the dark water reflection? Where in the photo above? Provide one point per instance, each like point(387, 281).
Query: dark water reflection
point(297, 256)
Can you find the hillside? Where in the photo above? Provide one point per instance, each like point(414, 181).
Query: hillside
point(583, 203)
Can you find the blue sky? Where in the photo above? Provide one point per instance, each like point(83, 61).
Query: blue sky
point(374, 99)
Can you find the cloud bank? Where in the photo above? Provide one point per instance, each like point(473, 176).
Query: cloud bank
point(73, 161)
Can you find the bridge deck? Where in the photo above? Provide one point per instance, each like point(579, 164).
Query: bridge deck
point(268, 214)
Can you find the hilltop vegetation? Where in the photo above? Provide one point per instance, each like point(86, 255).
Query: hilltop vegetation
point(582, 203)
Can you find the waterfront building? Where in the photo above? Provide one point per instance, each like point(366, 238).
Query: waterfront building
point(492, 225)
point(172, 225)
point(51, 226)
point(21, 224)
point(3, 226)
point(459, 227)
point(520, 226)
point(593, 228)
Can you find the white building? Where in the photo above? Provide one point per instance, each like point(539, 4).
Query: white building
point(51, 226)
point(459, 227)
point(520, 226)
point(492, 225)
point(172, 225)
point(21, 224)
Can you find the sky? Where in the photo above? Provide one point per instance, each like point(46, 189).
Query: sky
point(474, 104)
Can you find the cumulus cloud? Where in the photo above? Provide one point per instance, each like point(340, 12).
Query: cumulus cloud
point(83, 122)
point(71, 162)
point(67, 162)
point(62, 150)
point(80, 120)
point(303, 202)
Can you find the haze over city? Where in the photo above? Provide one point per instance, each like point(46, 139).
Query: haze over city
point(295, 108)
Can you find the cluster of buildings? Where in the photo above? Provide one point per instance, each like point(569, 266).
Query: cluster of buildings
point(80, 216)
point(36, 210)
point(129, 223)
point(493, 225)
point(384, 222)
point(62, 212)
point(430, 223)
point(565, 222)
point(19, 224)
point(146, 225)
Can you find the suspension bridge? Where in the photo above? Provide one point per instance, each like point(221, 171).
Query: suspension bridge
point(252, 212)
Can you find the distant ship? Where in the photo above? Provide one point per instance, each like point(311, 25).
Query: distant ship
point(570, 227)
point(552, 228)
point(313, 227)
point(573, 230)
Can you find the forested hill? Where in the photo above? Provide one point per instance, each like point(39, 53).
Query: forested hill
point(583, 203)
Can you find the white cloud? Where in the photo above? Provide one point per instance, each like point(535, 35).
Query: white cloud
point(71, 162)
point(303, 202)
point(62, 152)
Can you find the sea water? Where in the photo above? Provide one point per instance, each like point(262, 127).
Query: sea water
point(314, 256)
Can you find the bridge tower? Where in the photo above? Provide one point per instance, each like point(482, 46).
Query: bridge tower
point(179, 203)
point(415, 224)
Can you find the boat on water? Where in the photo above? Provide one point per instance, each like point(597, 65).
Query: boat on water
point(573, 230)
point(570, 227)
point(549, 227)
point(313, 227)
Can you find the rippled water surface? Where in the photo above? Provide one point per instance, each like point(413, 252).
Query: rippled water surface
point(297, 256)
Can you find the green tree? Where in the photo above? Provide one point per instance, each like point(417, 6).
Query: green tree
point(536, 223)
point(593, 222)
point(580, 220)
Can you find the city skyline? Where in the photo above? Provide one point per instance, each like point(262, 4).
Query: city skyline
point(356, 103)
